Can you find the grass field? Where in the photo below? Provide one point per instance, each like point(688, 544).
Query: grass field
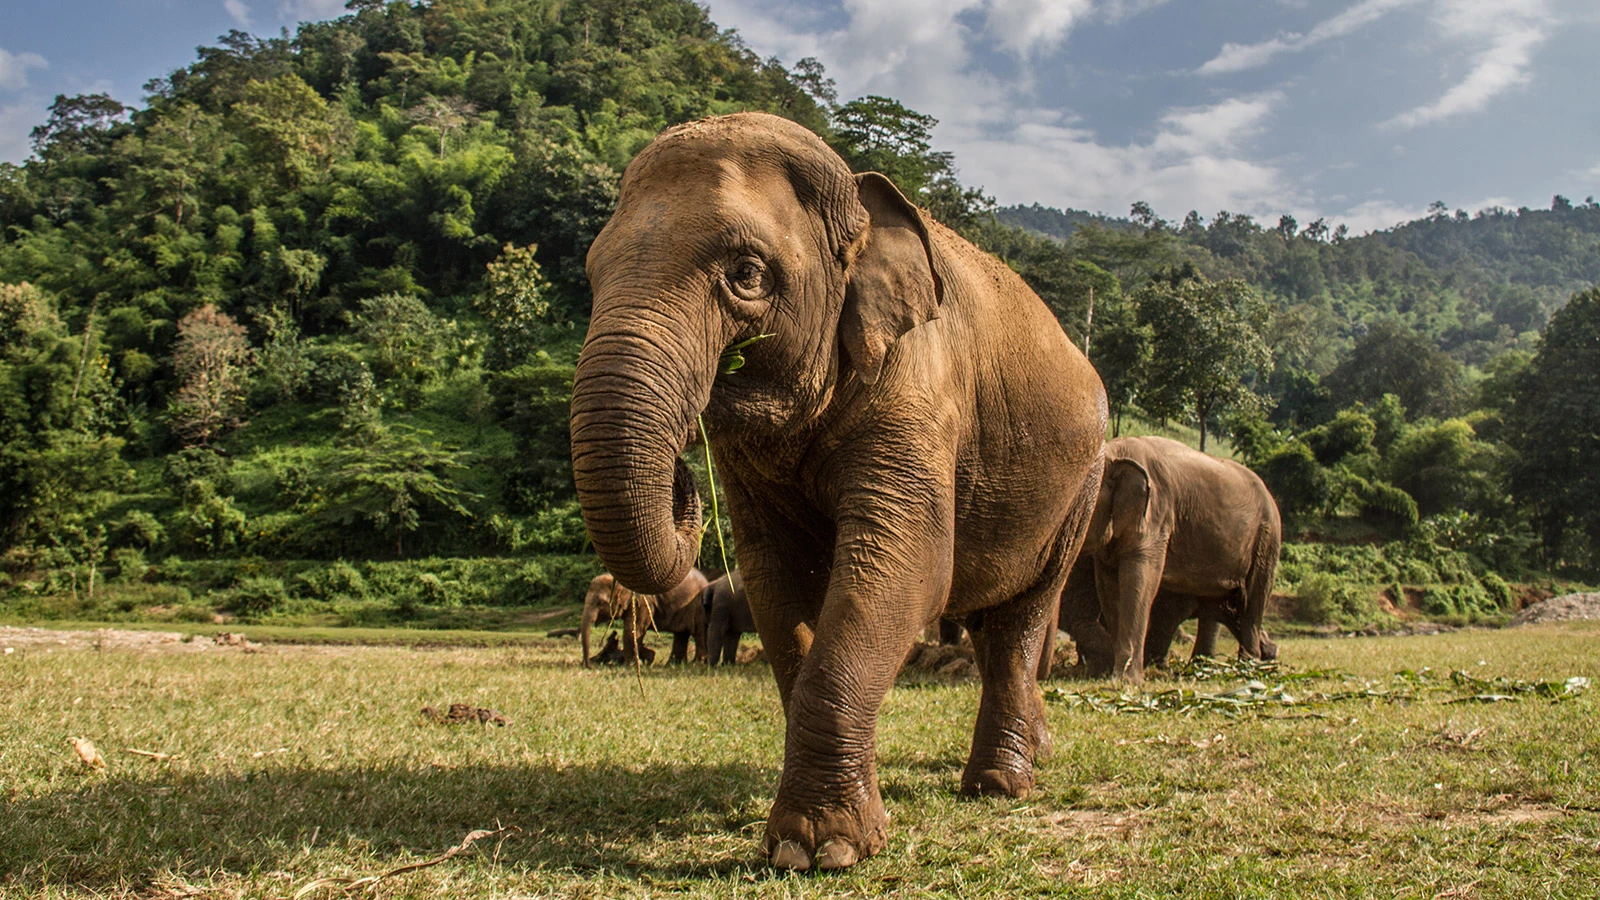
point(296, 764)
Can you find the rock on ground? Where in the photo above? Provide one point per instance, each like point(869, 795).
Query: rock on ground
point(1560, 609)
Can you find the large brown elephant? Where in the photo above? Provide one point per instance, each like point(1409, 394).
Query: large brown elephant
point(728, 618)
point(911, 436)
point(1176, 533)
point(677, 612)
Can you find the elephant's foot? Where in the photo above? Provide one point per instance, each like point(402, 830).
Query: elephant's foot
point(825, 839)
point(1005, 767)
point(993, 782)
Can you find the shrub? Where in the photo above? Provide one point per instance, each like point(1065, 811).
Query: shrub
point(254, 595)
point(1297, 482)
point(335, 581)
point(129, 563)
point(1385, 506)
point(1324, 599)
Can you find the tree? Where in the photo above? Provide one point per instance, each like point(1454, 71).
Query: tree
point(1121, 352)
point(515, 300)
point(1392, 359)
point(879, 134)
point(81, 123)
point(1554, 424)
point(811, 77)
point(444, 115)
point(211, 358)
point(1286, 228)
point(286, 123)
point(397, 481)
point(1205, 344)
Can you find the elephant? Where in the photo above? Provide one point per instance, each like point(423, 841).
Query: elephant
point(1080, 618)
point(728, 618)
point(1176, 533)
point(676, 611)
point(901, 430)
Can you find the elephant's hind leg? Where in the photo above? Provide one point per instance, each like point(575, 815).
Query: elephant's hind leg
point(1008, 642)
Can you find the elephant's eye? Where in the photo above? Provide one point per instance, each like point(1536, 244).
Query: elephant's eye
point(748, 278)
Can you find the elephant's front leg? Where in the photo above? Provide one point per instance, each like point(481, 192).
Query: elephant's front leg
point(888, 581)
point(1127, 591)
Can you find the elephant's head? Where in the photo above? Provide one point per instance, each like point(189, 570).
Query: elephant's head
point(1122, 510)
point(727, 229)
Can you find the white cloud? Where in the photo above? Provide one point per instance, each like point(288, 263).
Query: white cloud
point(16, 121)
point(921, 53)
point(1194, 160)
point(1238, 57)
point(1381, 214)
point(311, 10)
point(1505, 34)
point(1026, 26)
point(14, 68)
point(240, 11)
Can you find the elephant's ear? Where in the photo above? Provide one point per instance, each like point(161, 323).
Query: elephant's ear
point(892, 286)
point(1130, 497)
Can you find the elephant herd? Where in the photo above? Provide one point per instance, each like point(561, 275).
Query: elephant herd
point(715, 615)
point(1176, 534)
point(903, 434)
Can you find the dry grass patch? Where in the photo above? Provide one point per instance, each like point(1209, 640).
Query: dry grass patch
point(275, 771)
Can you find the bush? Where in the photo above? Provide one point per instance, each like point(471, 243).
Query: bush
point(335, 581)
point(1384, 506)
point(1325, 599)
point(1296, 481)
point(129, 563)
point(254, 595)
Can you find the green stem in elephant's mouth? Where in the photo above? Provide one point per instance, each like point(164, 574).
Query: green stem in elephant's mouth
point(732, 359)
point(711, 477)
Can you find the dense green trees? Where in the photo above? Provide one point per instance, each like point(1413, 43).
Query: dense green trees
point(320, 296)
point(1554, 424)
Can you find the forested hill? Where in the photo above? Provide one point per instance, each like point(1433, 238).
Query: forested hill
point(317, 297)
point(1475, 283)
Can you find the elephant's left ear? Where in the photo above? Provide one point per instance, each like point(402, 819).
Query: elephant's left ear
point(892, 285)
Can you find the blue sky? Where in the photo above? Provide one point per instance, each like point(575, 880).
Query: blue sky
point(1362, 111)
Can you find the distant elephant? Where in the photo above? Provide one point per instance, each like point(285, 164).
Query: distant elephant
point(1080, 617)
point(677, 611)
point(1175, 533)
point(881, 399)
point(728, 618)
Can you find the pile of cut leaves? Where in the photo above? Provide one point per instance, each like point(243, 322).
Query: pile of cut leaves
point(1270, 686)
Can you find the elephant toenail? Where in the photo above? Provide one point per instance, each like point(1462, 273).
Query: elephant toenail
point(836, 854)
point(790, 855)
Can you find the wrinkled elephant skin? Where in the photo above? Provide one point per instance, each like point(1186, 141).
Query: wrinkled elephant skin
point(912, 435)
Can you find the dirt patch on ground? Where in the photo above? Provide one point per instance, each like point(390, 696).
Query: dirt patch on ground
point(20, 639)
point(1560, 609)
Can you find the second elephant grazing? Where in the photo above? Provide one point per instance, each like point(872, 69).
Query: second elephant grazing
point(911, 436)
point(1176, 533)
point(728, 618)
point(676, 611)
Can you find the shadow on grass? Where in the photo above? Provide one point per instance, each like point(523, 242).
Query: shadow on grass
point(113, 831)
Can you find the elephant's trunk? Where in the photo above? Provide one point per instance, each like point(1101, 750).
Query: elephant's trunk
point(634, 400)
point(590, 610)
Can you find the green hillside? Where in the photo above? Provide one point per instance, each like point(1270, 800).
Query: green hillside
point(293, 337)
